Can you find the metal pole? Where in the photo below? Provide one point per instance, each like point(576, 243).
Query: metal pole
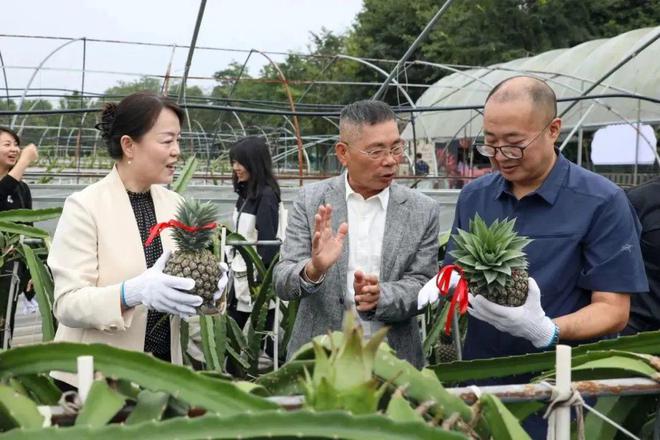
point(639, 128)
point(412, 49)
point(540, 392)
point(82, 101)
point(561, 416)
point(302, 155)
point(4, 74)
point(166, 79)
point(414, 131)
point(13, 291)
point(34, 74)
point(579, 152)
point(276, 335)
point(191, 50)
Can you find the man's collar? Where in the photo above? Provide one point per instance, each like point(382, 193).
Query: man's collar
point(549, 189)
point(383, 196)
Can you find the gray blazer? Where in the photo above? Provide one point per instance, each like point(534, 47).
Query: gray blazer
point(409, 260)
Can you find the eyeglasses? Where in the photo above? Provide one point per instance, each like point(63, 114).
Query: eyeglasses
point(508, 151)
point(381, 153)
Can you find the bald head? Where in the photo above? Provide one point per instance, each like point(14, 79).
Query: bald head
point(539, 93)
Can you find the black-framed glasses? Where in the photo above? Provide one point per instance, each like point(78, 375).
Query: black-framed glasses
point(379, 153)
point(508, 151)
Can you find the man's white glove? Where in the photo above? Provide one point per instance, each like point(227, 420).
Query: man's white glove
point(528, 321)
point(430, 293)
point(222, 282)
point(161, 292)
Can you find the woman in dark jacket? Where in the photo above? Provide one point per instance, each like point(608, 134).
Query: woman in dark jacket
point(255, 217)
point(14, 194)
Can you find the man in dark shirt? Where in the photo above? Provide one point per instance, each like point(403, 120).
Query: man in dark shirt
point(645, 309)
point(584, 256)
point(421, 167)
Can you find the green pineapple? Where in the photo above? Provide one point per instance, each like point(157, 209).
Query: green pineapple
point(445, 350)
point(446, 353)
point(193, 259)
point(493, 261)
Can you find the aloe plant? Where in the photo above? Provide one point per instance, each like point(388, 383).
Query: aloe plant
point(186, 175)
point(197, 389)
point(12, 229)
point(344, 379)
point(265, 424)
point(644, 343)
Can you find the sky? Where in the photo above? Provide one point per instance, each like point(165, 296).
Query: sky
point(277, 25)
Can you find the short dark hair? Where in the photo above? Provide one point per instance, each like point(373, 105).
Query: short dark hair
point(134, 116)
point(418, 155)
point(254, 154)
point(537, 90)
point(367, 111)
point(11, 133)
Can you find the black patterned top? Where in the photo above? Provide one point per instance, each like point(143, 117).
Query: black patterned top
point(157, 336)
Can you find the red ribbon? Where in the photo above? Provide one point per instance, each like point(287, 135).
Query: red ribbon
point(158, 228)
point(460, 292)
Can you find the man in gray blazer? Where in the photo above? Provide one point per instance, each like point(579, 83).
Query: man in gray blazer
point(360, 241)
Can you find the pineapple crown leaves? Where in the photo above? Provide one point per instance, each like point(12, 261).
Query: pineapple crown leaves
point(487, 254)
point(196, 214)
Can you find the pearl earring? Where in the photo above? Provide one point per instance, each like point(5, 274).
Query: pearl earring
point(130, 162)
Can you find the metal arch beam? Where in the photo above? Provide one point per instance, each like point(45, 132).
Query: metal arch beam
point(199, 138)
point(4, 74)
point(296, 125)
point(43, 135)
point(191, 50)
point(232, 128)
point(20, 129)
point(240, 122)
point(259, 128)
point(422, 35)
point(313, 83)
point(382, 72)
point(558, 74)
point(34, 74)
point(218, 121)
point(331, 121)
point(389, 80)
point(452, 69)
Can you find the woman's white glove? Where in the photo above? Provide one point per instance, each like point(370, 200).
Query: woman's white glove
point(222, 282)
point(528, 321)
point(161, 292)
point(430, 293)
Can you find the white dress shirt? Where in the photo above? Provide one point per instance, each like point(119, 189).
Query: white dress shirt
point(366, 229)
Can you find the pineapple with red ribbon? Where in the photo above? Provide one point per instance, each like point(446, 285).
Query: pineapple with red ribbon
point(491, 263)
point(193, 231)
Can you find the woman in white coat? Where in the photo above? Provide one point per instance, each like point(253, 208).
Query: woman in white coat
point(109, 286)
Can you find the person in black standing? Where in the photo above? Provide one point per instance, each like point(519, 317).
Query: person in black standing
point(645, 309)
point(14, 194)
point(255, 217)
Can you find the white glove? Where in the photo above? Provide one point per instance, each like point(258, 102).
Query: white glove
point(430, 293)
point(161, 292)
point(528, 321)
point(222, 282)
